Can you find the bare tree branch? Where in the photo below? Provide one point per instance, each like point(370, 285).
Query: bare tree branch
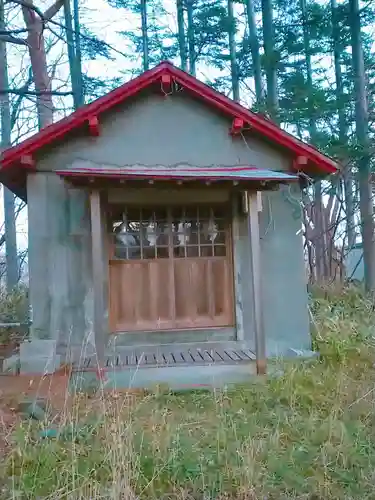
point(13, 39)
point(53, 10)
point(17, 104)
point(47, 15)
point(24, 91)
point(13, 32)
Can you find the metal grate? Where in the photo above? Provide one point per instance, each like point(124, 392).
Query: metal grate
point(196, 231)
point(177, 357)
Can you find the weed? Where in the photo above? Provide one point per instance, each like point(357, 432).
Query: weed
point(307, 434)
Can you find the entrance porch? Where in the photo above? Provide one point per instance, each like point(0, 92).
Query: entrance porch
point(205, 364)
point(166, 267)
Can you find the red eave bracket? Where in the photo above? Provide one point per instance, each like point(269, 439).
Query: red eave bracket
point(166, 83)
point(94, 128)
point(28, 162)
point(300, 163)
point(237, 126)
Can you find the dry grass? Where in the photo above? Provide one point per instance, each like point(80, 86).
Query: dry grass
point(308, 434)
point(14, 308)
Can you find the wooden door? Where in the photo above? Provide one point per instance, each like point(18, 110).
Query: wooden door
point(171, 268)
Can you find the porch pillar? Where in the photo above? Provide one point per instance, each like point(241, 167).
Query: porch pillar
point(98, 273)
point(253, 221)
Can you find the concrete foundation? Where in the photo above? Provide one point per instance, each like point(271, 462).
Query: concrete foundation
point(174, 378)
point(39, 356)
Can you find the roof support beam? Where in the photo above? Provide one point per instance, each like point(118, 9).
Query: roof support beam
point(98, 272)
point(255, 264)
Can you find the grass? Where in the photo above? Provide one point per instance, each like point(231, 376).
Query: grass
point(14, 308)
point(308, 434)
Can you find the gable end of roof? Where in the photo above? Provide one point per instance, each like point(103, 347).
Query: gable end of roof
point(167, 74)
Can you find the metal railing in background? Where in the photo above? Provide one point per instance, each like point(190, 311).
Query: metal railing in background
point(15, 325)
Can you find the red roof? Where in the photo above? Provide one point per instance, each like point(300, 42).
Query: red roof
point(19, 156)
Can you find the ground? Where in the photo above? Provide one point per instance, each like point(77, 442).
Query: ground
point(306, 434)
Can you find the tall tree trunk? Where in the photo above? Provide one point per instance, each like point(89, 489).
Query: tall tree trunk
point(191, 37)
point(181, 34)
point(320, 245)
point(255, 54)
point(35, 40)
point(319, 235)
point(364, 169)
point(11, 256)
point(232, 52)
point(347, 173)
point(78, 55)
point(270, 59)
point(144, 35)
point(74, 63)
